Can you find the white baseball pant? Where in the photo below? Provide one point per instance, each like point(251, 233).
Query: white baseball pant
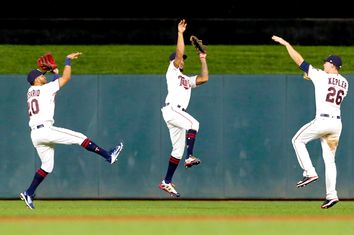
point(328, 130)
point(45, 138)
point(178, 122)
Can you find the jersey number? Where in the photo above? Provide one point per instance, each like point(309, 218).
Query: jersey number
point(334, 96)
point(33, 107)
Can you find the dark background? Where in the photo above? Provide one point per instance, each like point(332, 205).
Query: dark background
point(107, 22)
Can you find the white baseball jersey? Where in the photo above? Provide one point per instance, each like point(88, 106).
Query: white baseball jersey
point(330, 90)
point(41, 103)
point(41, 107)
point(179, 86)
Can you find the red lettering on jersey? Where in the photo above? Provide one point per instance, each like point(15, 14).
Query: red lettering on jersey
point(337, 82)
point(33, 93)
point(183, 82)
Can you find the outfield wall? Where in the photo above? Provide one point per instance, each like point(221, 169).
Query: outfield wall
point(246, 126)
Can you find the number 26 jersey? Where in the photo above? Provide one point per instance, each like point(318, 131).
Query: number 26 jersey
point(330, 90)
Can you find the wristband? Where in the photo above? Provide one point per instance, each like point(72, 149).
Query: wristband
point(56, 76)
point(67, 61)
point(202, 55)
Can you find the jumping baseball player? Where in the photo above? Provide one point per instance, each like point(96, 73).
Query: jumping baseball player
point(330, 90)
point(183, 128)
point(41, 105)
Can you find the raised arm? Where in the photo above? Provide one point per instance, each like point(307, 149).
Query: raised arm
point(180, 43)
point(292, 52)
point(67, 69)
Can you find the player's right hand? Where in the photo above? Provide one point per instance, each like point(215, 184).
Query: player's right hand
point(74, 55)
point(279, 40)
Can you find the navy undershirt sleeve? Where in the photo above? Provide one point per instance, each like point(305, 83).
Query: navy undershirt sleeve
point(55, 77)
point(304, 66)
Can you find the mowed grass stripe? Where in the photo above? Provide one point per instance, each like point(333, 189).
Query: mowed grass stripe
point(153, 59)
point(175, 217)
point(172, 208)
point(166, 218)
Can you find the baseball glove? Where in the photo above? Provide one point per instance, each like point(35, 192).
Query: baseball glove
point(198, 45)
point(46, 63)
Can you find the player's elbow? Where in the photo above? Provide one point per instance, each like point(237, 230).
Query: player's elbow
point(64, 80)
point(202, 79)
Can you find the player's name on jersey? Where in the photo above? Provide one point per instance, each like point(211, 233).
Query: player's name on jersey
point(33, 93)
point(337, 82)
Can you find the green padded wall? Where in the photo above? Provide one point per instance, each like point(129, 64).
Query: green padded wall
point(246, 126)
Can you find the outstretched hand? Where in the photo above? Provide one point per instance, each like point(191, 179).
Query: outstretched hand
point(182, 25)
point(74, 55)
point(279, 40)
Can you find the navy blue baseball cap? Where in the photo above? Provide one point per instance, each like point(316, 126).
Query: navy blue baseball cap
point(33, 75)
point(335, 60)
point(173, 56)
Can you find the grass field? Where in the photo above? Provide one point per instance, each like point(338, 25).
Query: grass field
point(135, 59)
point(175, 217)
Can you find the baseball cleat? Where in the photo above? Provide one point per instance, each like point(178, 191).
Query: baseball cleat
point(306, 180)
point(28, 199)
point(328, 203)
point(169, 188)
point(115, 153)
point(191, 161)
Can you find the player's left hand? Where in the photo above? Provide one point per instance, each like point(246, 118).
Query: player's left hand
point(46, 62)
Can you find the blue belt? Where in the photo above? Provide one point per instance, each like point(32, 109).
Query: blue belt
point(37, 127)
point(178, 106)
point(327, 115)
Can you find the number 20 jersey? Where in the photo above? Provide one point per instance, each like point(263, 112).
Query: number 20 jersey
point(41, 103)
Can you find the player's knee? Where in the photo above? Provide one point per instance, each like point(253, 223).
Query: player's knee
point(195, 126)
point(297, 141)
point(332, 144)
point(177, 153)
point(293, 141)
point(48, 167)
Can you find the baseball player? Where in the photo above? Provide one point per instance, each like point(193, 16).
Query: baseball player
point(41, 105)
point(330, 90)
point(183, 128)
